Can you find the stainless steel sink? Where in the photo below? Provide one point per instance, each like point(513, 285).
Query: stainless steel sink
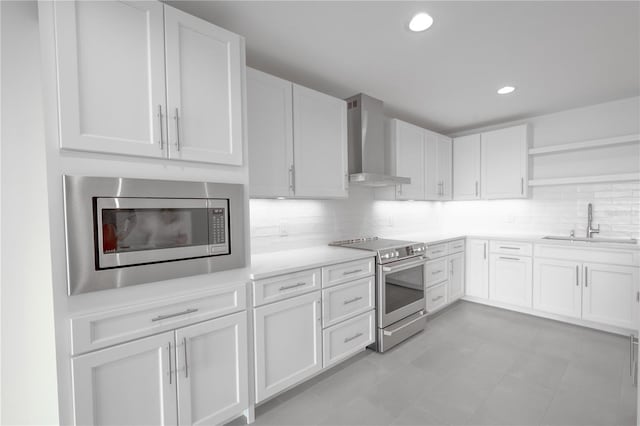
point(592, 240)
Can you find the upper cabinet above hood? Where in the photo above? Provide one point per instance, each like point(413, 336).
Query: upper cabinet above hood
point(366, 143)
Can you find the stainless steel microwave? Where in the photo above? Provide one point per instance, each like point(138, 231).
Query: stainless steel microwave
point(123, 232)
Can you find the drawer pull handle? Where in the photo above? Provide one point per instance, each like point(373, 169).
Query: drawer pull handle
point(289, 287)
point(355, 299)
point(436, 251)
point(510, 248)
point(509, 258)
point(177, 314)
point(355, 271)
point(437, 298)
point(355, 336)
point(439, 271)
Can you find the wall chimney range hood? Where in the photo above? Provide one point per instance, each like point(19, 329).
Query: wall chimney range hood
point(365, 118)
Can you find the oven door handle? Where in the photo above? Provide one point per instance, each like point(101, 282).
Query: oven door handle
point(405, 265)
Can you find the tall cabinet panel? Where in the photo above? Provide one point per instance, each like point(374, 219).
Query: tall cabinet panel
point(320, 135)
point(408, 149)
point(204, 90)
point(111, 76)
point(210, 370)
point(129, 384)
point(445, 163)
point(270, 124)
point(437, 165)
point(477, 268)
point(466, 167)
point(504, 163)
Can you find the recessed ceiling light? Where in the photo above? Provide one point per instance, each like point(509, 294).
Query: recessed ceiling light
point(506, 90)
point(420, 22)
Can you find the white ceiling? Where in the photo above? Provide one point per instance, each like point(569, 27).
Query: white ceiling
point(559, 55)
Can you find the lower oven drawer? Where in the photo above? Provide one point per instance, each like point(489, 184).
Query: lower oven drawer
point(347, 300)
point(347, 338)
point(436, 297)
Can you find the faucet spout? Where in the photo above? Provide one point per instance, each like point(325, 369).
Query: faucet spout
point(590, 229)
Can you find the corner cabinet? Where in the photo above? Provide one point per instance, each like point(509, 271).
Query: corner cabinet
point(297, 140)
point(145, 79)
point(466, 168)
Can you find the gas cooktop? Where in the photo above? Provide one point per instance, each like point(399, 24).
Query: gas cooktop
point(386, 250)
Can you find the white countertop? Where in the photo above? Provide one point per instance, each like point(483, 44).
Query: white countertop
point(282, 262)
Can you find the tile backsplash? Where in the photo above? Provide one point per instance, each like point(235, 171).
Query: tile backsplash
point(285, 224)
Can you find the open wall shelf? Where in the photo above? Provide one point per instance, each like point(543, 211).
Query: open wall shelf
point(621, 177)
point(590, 144)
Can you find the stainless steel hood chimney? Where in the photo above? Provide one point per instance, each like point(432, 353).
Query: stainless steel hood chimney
point(365, 118)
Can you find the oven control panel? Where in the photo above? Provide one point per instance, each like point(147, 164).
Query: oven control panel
point(392, 254)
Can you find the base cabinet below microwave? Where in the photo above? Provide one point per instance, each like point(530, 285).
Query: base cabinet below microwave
point(192, 375)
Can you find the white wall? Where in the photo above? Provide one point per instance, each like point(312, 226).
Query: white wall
point(29, 380)
point(549, 210)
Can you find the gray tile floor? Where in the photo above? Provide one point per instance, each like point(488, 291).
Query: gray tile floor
point(473, 365)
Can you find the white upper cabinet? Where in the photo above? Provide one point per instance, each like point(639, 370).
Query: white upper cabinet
point(466, 168)
point(270, 133)
point(111, 81)
point(144, 79)
point(320, 138)
point(204, 90)
point(437, 164)
point(407, 143)
point(297, 140)
point(504, 163)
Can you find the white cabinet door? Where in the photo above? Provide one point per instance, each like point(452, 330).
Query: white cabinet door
point(466, 168)
point(504, 163)
point(288, 343)
point(270, 128)
point(510, 279)
point(477, 268)
point(431, 167)
point(111, 76)
point(444, 166)
point(456, 276)
point(320, 144)
point(557, 287)
point(204, 90)
point(610, 295)
point(211, 370)
point(128, 384)
point(408, 143)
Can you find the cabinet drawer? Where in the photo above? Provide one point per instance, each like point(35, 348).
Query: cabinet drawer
point(95, 331)
point(511, 247)
point(348, 338)
point(436, 271)
point(587, 254)
point(436, 297)
point(437, 250)
point(346, 300)
point(348, 271)
point(285, 286)
point(456, 246)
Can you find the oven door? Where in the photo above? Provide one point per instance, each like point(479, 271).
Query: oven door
point(400, 290)
point(135, 231)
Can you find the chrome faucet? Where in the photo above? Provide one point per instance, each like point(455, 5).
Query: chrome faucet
point(590, 229)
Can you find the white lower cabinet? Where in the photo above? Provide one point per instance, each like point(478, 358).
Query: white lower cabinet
point(610, 295)
point(456, 276)
point(477, 268)
point(288, 343)
point(348, 338)
point(557, 287)
point(436, 297)
point(510, 279)
point(202, 367)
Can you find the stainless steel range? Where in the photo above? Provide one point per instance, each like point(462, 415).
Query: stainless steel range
point(400, 295)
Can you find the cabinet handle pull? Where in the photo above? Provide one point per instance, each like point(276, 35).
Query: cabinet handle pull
point(485, 250)
point(451, 267)
point(521, 186)
point(436, 251)
point(288, 287)
point(177, 314)
point(186, 357)
point(638, 296)
point(577, 276)
point(633, 340)
point(509, 258)
point(476, 188)
point(177, 118)
point(437, 298)
point(355, 336)
point(355, 299)
point(355, 271)
point(292, 182)
point(436, 272)
point(510, 248)
point(161, 126)
point(586, 284)
point(170, 372)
